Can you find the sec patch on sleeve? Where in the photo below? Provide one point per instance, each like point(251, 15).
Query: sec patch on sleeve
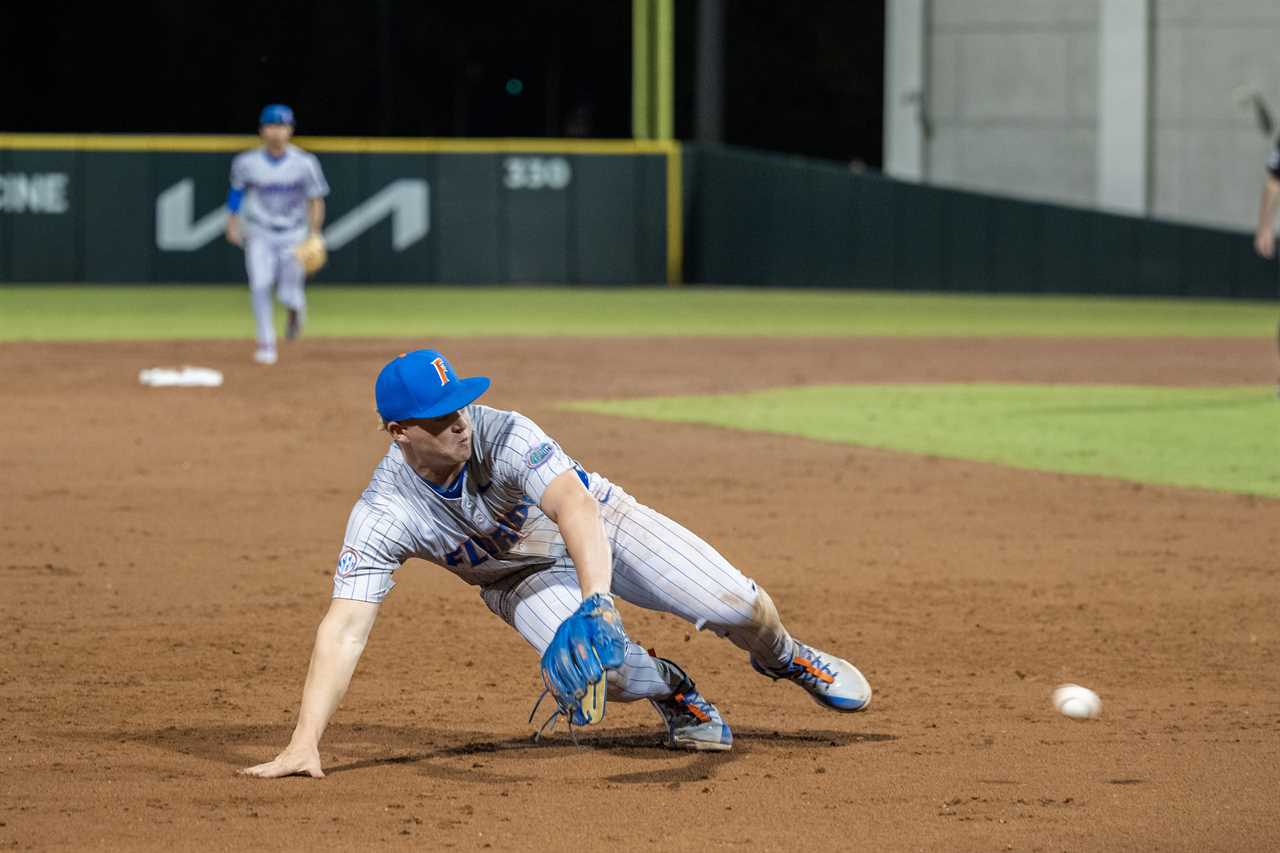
point(540, 454)
point(346, 562)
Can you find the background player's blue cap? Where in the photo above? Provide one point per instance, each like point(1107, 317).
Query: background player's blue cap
point(275, 114)
point(423, 384)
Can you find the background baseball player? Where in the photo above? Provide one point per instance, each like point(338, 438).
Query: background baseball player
point(487, 495)
point(278, 191)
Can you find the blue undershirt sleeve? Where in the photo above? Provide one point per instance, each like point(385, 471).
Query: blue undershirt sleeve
point(234, 197)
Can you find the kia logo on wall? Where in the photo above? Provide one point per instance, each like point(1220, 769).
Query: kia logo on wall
point(407, 201)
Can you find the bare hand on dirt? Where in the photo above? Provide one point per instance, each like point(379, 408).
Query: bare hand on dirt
point(294, 761)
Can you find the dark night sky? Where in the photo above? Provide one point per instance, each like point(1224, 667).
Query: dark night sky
point(804, 78)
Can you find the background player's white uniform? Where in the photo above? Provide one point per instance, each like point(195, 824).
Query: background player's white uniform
point(487, 529)
point(276, 192)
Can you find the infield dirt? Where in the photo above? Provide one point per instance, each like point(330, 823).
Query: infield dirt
point(168, 552)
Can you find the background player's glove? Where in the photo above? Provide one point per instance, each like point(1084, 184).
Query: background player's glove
point(586, 645)
point(311, 253)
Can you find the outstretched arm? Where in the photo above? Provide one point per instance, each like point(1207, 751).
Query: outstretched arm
point(590, 641)
point(577, 514)
point(340, 640)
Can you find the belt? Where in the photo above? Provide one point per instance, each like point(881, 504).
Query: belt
point(276, 228)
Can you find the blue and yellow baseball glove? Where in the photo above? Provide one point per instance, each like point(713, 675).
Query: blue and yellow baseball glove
point(586, 646)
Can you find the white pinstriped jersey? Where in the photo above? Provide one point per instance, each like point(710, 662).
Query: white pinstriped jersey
point(484, 527)
point(276, 191)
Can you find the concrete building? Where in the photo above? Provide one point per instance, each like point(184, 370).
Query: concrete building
point(1139, 106)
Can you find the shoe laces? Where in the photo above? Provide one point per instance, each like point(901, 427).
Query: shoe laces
point(807, 666)
point(688, 703)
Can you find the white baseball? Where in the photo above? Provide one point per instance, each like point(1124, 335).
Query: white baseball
point(1076, 702)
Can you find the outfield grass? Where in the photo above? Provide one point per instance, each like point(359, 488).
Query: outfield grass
point(1214, 438)
point(68, 312)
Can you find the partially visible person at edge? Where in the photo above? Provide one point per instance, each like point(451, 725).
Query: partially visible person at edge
point(1264, 239)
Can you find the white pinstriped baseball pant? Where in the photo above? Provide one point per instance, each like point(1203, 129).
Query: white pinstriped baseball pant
point(657, 565)
point(269, 260)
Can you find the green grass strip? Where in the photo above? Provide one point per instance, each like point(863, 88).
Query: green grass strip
point(65, 312)
point(1213, 438)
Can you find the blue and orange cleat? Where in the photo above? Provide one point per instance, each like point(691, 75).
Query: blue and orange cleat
point(692, 722)
point(832, 682)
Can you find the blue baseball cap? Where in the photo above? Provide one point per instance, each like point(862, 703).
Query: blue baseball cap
point(423, 384)
point(275, 114)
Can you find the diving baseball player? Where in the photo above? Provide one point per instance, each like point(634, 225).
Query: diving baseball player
point(487, 495)
point(278, 191)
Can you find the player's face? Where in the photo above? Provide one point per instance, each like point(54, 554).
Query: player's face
point(276, 135)
point(442, 440)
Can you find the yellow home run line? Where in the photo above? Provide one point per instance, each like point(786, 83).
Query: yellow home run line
point(331, 144)
point(391, 145)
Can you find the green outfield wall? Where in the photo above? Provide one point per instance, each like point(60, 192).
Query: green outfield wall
point(144, 209)
point(150, 209)
point(756, 218)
